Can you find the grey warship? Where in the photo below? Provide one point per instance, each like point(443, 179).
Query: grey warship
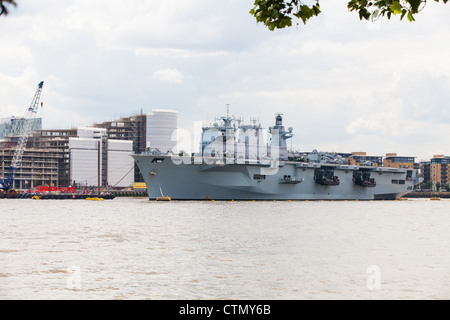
point(235, 163)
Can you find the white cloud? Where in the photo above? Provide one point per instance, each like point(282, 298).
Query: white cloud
point(178, 53)
point(342, 84)
point(374, 125)
point(168, 75)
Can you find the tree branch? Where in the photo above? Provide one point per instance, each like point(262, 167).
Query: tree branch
point(278, 14)
point(3, 6)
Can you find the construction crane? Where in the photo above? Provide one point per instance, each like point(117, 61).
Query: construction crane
point(7, 185)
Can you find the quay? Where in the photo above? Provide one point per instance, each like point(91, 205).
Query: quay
point(143, 194)
point(427, 194)
point(56, 196)
point(109, 195)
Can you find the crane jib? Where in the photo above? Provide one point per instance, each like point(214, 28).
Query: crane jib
point(24, 133)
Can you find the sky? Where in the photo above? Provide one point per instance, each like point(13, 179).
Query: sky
point(343, 84)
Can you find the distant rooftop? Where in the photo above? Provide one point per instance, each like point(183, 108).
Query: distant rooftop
point(164, 110)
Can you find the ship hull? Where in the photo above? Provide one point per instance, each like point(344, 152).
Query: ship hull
point(216, 180)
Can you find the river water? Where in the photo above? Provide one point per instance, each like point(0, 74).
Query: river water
point(133, 248)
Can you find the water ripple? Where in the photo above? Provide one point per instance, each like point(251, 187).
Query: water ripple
point(137, 249)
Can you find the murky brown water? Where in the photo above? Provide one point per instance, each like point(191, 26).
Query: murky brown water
point(137, 249)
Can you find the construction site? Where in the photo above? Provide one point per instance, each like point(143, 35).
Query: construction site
point(94, 160)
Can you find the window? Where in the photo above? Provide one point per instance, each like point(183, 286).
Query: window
point(259, 176)
point(409, 175)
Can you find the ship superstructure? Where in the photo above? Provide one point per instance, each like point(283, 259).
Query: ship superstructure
point(237, 162)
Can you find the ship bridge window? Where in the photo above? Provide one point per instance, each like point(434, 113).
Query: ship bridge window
point(394, 181)
point(409, 174)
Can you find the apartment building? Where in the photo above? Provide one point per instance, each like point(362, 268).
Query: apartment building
point(362, 159)
point(392, 160)
point(439, 169)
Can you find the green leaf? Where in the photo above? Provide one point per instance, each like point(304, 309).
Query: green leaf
point(415, 5)
point(404, 11)
point(396, 7)
point(364, 13)
point(316, 9)
point(410, 17)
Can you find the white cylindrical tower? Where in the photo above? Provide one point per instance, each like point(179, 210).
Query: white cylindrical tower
point(161, 124)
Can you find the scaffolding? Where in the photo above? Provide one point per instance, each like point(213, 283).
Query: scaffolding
point(129, 128)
